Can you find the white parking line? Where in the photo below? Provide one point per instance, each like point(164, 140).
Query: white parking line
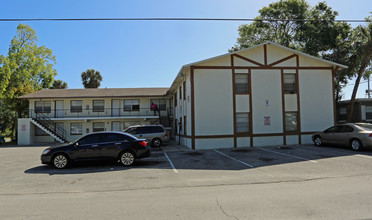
point(173, 167)
point(234, 159)
point(366, 156)
point(288, 155)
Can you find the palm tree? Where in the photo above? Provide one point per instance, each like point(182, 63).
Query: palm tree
point(59, 84)
point(361, 58)
point(91, 78)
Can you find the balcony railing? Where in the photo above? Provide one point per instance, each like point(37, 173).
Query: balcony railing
point(107, 112)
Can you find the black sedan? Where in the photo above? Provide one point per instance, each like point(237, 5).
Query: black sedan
point(116, 146)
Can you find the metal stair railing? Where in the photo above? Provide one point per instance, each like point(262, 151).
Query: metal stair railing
point(50, 125)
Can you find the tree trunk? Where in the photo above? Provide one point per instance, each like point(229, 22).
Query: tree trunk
point(362, 68)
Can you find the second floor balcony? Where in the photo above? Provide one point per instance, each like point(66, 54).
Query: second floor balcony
point(101, 113)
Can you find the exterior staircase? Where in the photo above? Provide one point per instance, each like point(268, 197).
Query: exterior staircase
point(50, 127)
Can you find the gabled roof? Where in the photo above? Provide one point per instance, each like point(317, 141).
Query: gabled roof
point(96, 93)
point(250, 48)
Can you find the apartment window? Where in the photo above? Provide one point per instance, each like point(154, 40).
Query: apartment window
point(98, 105)
point(242, 122)
point(76, 106)
point(368, 112)
point(184, 90)
point(175, 99)
point(161, 103)
point(98, 126)
point(76, 128)
point(131, 105)
point(241, 83)
point(39, 132)
point(43, 106)
point(180, 91)
point(290, 83)
point(291, 121)
point(342, 114)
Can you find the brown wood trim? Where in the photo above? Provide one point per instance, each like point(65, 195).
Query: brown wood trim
point(265, 54)
point(248, 60)
point(334, 71)
point(282, 60)
point(250, 104)
point(214, 136)
point(234, 99)
point(192, 107)
point(308, 132)
point(265, 67)
point(283, 106)
point(267, 135)
point(298, 99)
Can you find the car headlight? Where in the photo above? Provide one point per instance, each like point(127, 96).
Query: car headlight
point(46, 151)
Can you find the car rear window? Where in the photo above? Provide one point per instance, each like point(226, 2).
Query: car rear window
point(365, 126)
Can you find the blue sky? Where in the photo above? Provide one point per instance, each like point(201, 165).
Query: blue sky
point(140, 53)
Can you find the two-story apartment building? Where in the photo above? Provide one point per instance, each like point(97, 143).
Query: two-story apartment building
point(67, 114)
point(264, 95)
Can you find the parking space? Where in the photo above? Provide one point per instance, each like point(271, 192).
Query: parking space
point(251, 169)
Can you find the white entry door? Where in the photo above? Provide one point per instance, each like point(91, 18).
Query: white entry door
point(116, 126)
point(59, 109)
point(115, 107)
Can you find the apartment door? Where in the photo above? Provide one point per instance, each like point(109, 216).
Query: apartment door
point(116, 126)
point(115, 105)
point(59, 108)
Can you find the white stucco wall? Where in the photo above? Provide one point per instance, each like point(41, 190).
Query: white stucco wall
point(267, 101)
point(316, 99)
point(214, 143)
point(267, 141)
point(292, 139)
point(213, 102)
point(24, 131)
point(255, 54)
point(243, 142)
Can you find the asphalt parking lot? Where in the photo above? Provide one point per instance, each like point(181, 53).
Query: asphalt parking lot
point(185, 181)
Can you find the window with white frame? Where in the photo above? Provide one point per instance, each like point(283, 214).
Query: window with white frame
point(290, 121)
point(290, 83)
point(43, 106)
point(98, 126)
point(76, 128)
point(368, 112)
point(242, 122)
point(241, 83)
point(98, 105)
point(161, 103)
point(342, 114)
point(76, 106)
point(131, 105)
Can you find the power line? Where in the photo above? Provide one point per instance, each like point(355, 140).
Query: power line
point(169, 19)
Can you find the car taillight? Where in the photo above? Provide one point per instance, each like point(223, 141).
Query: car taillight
point(143, 143)
point(166, 135)
point(370, 135)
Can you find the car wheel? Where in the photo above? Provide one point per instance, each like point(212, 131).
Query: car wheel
point(127, 158)
point(156, 142)
point(318, 141)
point(60, 161)
point(356, 144)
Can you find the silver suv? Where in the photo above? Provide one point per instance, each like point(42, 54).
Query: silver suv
point(155, 134)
